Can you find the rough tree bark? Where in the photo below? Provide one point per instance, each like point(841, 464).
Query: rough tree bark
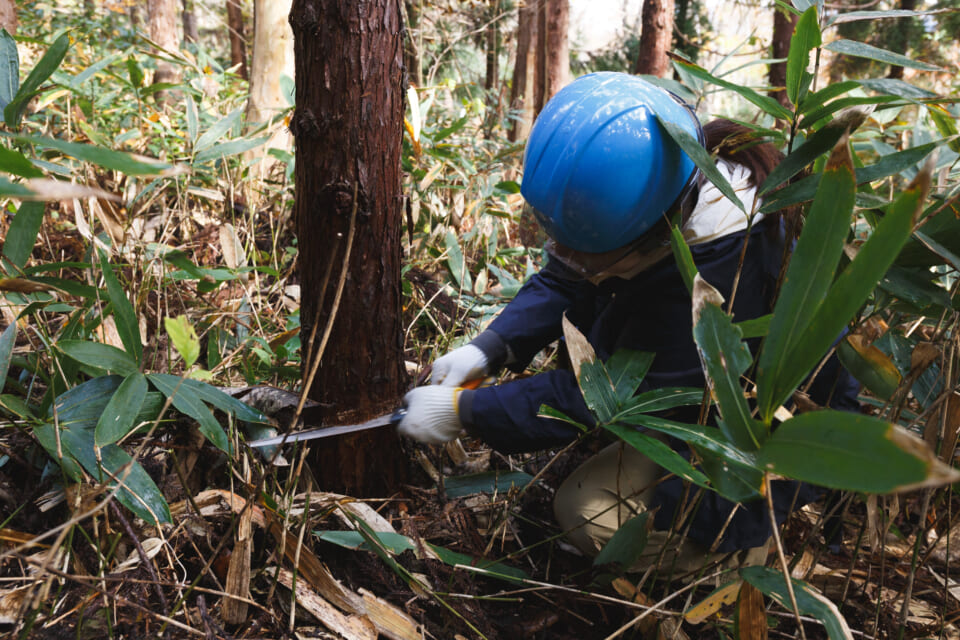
point(272, 59)
point(553, 50)
point(347, 125)
point(238, 42)
point(522, 89)
point(492, 43)
point(162, 18)
point(8, 16)
point(190, 31)
point(656, 36)
point(784, 23)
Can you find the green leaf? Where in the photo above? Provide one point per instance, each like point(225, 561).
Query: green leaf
point(22, 234)
point(815, 146)
point(734, 481)
point(660, 399)
point(212, 135)
point(193, 119)
point(397, 543)
point(819, 112)
point(223, 401)
point(627, 369)
point(123, 312)
point(829, 92)
point(107, 158)
point(806, 37)
point(134, 72)
point(853, 452)
point(16, 163)
point(627, 543)
point(187, 402)
point(120, 415)
point(896, 87)
point(870, 366)
point(864, 50)
point(184, 338)
point(138, 492)
point(708, 438)
point(807, 280)
point(231, 148)
point(489, 482)
point(659, 452)
point(101, 356)
point(810, 602)
point(725, 358)
point(702, 158)
point(598, 390)
point(851, 288)
point(554, 414)
point(94, 69)
point(755, 327)
point(7, 339)
point(9, 68)
point(13, 112)
point(766, 103)
point(946, 124)
point(683, 257)
point(456, 262)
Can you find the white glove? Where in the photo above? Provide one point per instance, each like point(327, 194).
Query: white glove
point(459, 366)
point(431, 415)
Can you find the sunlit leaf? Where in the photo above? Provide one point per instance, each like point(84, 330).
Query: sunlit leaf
point(13, 112)
point(806, 37)
point(227, 149)
point(9, 68)
point(22, 234)
point(17, 164)
point(107, 158)
point(212, 135)
point(870, 52)
point(184, 338)
point(766, 103)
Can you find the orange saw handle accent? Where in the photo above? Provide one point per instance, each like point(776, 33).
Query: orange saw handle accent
point(476, 383)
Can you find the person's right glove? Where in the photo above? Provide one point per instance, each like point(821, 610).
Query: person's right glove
point(459, 366)
point(432, 415)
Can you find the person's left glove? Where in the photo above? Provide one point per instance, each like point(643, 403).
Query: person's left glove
point(431, 414)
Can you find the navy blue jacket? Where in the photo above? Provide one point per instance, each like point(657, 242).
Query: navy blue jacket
point(650, 312)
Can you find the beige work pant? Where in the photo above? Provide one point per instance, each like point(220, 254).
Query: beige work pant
point(615, 485)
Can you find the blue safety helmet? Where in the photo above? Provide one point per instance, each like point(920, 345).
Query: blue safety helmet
point(599, 171)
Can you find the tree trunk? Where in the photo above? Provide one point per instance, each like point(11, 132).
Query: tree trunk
point(190, 31)
point(348, 126)
point(901, 37)
point(784, 23)
point(492, 38)
point(272, 59)
point(162, 16)
point(413, 44)
point(522, 89)
point(553, 50)
point(655, 37)
point(8, 16)
point(238, 43)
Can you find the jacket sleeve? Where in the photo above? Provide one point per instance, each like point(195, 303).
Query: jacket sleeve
point(532, 320)
point(508, 413)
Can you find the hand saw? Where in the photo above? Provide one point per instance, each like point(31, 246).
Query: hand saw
point(326, 432)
